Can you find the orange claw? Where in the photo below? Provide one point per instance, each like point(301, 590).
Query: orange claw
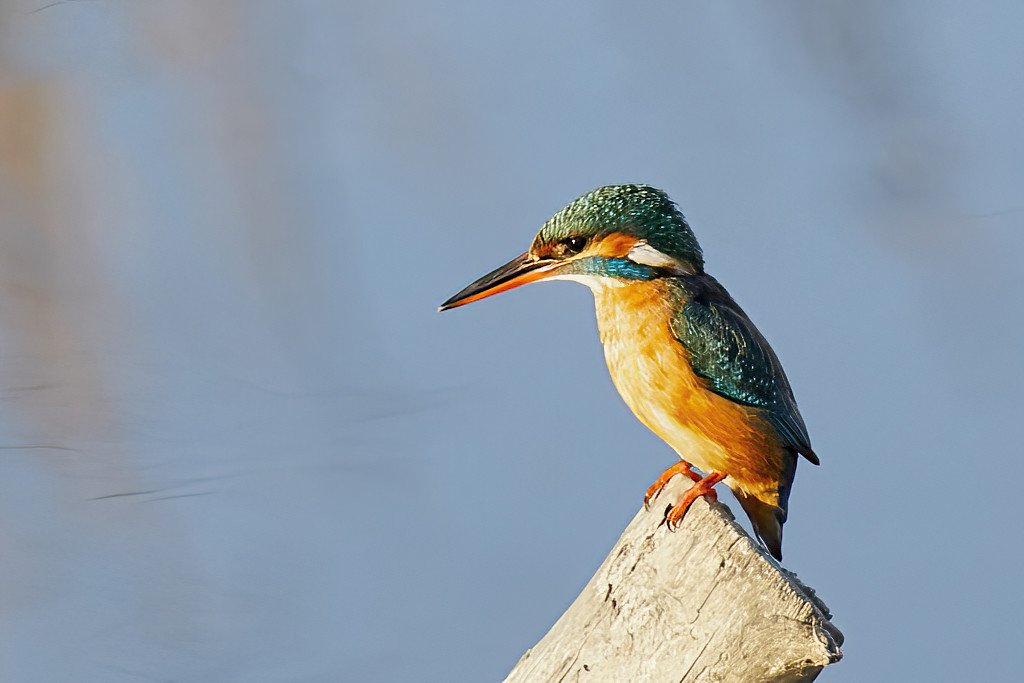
point(702, 487)
point(681, 467)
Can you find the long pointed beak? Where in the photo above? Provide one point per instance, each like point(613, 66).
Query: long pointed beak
point(519, 271)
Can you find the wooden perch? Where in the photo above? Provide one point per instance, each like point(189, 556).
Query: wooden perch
point(703, 603)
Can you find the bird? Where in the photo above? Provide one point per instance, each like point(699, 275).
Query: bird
point(683, 355)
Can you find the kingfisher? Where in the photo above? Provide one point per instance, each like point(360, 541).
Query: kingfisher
point(684, 356)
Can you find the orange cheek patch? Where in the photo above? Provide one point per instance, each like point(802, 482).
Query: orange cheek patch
point(615, 245)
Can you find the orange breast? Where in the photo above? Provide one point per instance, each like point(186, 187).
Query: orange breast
point(651, 370)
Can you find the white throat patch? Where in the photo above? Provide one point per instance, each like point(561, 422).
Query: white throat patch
point(645, 254)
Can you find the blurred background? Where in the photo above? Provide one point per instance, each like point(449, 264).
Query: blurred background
point(237, 442)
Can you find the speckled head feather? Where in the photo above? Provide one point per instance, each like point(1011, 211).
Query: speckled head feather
point(640, 211)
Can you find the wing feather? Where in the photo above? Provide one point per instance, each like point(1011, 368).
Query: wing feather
point(729, 352)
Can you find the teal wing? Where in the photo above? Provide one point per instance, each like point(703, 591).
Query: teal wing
point(734, 358)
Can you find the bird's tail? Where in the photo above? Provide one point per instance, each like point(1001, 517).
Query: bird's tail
point(767, 521)
point(768, 518)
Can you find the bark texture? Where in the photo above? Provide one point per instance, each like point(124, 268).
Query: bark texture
point(703, 603)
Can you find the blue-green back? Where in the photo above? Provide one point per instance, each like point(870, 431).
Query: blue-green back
point(728, 351)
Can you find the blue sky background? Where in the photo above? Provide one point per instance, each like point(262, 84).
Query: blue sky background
point(241, 445)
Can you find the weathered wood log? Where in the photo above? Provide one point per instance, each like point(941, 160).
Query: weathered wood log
point(702, 603)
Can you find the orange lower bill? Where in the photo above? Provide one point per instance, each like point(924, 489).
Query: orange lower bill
point(521, 270)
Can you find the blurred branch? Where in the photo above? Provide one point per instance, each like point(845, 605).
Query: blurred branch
point(704, 603)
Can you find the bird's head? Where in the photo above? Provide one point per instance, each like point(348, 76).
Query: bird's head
point(612, 235)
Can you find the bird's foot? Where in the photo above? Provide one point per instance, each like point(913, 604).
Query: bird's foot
point(681, 467)
point(702, 487)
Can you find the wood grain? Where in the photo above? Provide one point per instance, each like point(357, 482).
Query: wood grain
point(704, 603)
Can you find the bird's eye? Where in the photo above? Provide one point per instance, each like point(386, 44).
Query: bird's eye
point(575, 244)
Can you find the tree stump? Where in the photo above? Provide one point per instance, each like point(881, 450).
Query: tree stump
point(702, 603)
